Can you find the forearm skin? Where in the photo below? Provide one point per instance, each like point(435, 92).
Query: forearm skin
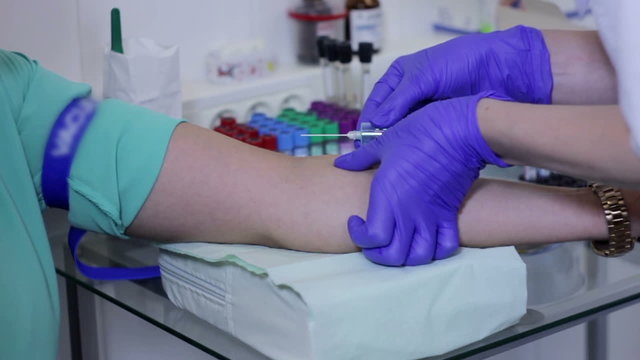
point(215, 189)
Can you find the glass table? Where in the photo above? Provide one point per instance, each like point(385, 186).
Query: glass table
point(567, 285)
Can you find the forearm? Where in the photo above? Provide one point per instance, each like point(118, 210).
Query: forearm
point(590, 142)
point(582, 71)
point(498, 212)
point(215, 189)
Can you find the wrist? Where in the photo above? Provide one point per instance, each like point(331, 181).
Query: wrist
point(632, 200)
point(489, 113)
point(591, 210)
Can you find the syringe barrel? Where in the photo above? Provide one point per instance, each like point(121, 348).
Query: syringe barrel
point(368, 132)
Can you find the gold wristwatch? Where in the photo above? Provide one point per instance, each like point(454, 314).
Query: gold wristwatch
point(618, 225)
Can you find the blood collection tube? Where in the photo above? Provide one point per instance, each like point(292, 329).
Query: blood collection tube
point(227, 122)
point(300, 143)
point(346, 145)
point(258, 116)
point(256, 121)
point(269, 142)
point(242, 130)
point(285, 142)
point(253, 138)
point(264, 129)
point(326, 68)
point(345, 55)
point(331, 50)
point(365, 53)
point(288, 111)
point(253, 133)
point(331, 146)
point(255, 141)
point(316, 146)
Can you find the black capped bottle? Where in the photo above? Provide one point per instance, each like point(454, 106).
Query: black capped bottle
point(364, 23)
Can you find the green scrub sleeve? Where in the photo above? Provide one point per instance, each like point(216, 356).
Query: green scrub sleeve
point(117, 162)
point(116, 166)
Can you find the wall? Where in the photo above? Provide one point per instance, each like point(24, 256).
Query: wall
point(70, 36)
point(44, 30)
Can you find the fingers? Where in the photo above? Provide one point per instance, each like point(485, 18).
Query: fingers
point(395, 254)
point(409, 246)
point(423, 245)
point(448, 239)
point(379, 228)
point(381, 90)
point(361, 159)
point(399, 103)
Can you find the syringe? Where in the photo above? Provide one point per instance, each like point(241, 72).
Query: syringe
point(365, 134)
point(352, 135)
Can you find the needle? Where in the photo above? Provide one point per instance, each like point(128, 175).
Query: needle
point(354, 134)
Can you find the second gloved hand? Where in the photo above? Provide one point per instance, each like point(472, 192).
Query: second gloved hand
point(428, 162)
point(513, 63)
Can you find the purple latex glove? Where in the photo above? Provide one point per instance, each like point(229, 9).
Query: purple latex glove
point(428, 162)
point(513, 63)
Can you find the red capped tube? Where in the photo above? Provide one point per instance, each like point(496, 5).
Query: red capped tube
point(270, 142)
point(228, 122)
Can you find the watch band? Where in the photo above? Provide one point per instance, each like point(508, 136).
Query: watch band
point(618, 225)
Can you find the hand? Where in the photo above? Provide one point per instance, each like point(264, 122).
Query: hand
point(428, 162)
point(513, 63)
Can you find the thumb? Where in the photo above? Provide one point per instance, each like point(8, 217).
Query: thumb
point(362, 159)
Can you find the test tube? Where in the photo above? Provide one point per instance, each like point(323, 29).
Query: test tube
point(331, 50)
point(365, 53)
point(346, 145)
point(326, 69)
point(288, 112)
point(316, 146)
point(300, 143)
point(269, 142)
point(258, 116)
point(253, 138)
point(331, 145)
point(227, 122)
point(345, 55)
point(256, 122)
point(285, 142)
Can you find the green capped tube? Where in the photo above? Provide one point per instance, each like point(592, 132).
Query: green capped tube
point(331, 145)
point(316, 144)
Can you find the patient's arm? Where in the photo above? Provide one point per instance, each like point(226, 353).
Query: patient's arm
point(212, 188)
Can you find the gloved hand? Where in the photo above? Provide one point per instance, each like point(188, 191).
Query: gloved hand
point(513, 63)
point(429, 161)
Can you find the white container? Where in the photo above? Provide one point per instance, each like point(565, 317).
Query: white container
point(465, 16)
